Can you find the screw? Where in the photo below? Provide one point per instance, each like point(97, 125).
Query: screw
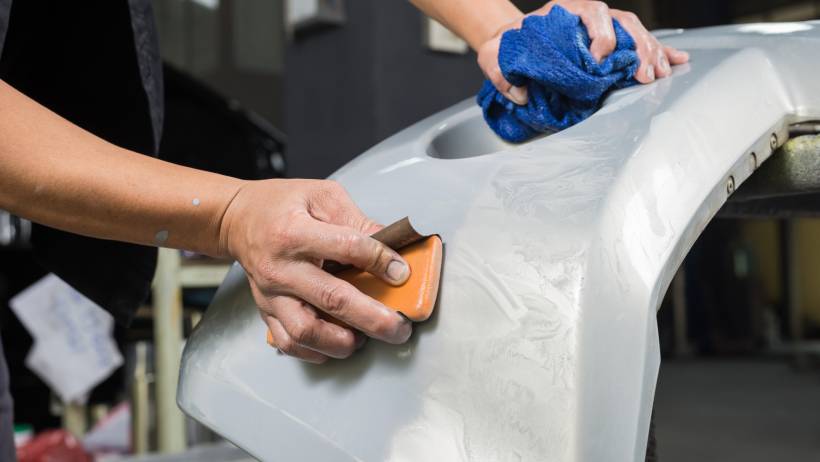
point(753, 159)
point(773, 141)
point(730, 185)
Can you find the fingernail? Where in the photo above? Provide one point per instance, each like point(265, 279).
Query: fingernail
point(405, 330)
point(650, 73)
point(519, 95)
point(397, 271)
point(683, 55)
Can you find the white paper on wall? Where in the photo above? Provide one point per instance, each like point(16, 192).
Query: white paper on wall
point(73, 349)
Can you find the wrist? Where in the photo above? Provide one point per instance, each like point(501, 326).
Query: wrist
point(503, 21)
point(225, 245)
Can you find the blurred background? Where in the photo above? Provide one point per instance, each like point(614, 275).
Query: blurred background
point(273, 88)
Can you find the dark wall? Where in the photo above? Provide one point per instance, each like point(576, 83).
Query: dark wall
point(692, 13)
point(348, 87)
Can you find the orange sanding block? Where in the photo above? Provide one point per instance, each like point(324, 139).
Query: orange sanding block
point(417, 296)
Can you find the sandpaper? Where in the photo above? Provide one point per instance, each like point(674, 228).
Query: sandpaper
point(396, 236)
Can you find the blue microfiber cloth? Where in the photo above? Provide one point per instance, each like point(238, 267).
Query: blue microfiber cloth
point(550, 56)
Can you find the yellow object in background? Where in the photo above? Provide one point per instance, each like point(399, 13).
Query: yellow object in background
point(763, 236)
point(808, 267)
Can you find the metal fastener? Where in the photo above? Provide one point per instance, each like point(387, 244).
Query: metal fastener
point(730, 185)
point(773, 141)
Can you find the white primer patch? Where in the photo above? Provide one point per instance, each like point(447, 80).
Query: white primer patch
point(195, 202)
point(161, 237)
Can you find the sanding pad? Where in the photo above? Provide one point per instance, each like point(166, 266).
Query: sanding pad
point(416, 297)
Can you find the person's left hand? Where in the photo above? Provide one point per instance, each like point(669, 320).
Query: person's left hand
point(281, 231)
point(655, 58)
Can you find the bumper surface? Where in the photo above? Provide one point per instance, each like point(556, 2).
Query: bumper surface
point(544, 343)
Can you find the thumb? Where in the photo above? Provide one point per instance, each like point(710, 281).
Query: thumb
point(488, 62)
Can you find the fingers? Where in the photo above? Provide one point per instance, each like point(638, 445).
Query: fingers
point(656, 60)
point(488, 62)
point(646, 45)
point(335, 228)
point(676, 56)
point(280, 245)
point(517, 95)
point(284, 342)
point(305, 329)
point(315, 241)
point(344, 302)
point(350, 247)
point(597, 19)
point(662, 66)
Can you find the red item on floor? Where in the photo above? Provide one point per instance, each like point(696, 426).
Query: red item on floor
point(53, 446)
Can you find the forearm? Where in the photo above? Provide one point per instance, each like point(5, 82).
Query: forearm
point(476, 21)
point(57, 174)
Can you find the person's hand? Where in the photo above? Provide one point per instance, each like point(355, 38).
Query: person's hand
point(655, 59)
point(488, 62)
point(280, 231)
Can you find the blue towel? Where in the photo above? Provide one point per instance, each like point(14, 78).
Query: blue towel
point(550, 56)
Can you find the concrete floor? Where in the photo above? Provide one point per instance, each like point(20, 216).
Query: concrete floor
point(737, 410)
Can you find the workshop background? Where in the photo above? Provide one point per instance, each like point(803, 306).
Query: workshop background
point(270, 88)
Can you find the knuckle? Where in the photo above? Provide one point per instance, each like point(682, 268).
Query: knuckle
point(496, 77)
point(652, 54)
point(334, 187)
point(269, 276)
point(630, 17)
point(287, 346)
point(265, 307)
point(377, 256)
point(598, 7)
point(288, 236)
point(335, 298)
point(324, 194)
point(304, 333)
point(351, 244)
point(649, 52)
point(368, 224)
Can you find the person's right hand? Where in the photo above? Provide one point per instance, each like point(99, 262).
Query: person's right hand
point(655, 58)
point(280, 231)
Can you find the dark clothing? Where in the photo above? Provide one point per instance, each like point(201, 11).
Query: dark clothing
point(5, 9)
point(7, 452)
point(97, 64)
